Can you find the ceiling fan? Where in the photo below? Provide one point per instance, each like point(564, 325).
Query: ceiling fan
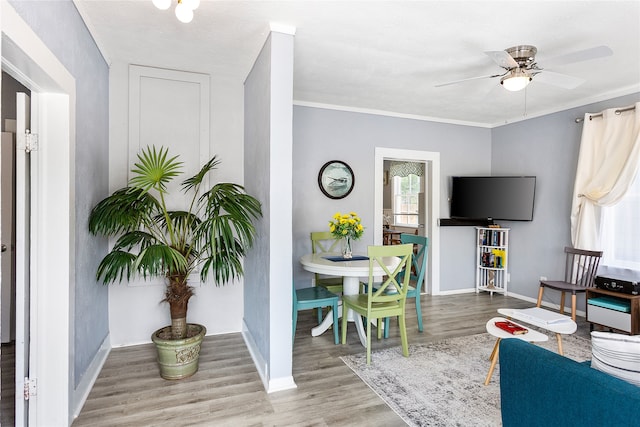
point(521, 66)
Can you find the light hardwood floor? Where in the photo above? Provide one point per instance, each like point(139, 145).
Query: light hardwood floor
point(227, 391)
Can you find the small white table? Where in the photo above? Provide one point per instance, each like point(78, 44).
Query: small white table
point(543, 319)
point(351, 271)
point(535, 316)
point(531, 336)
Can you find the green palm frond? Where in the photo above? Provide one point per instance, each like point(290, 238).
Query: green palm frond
point(154, 170)
point(181, 220)
point(133, 239)
point(125, 210)
point(224, 261)
point(225, 240)
point(231, 198)
point(160, 260)
point(182, 225)
point(193, 182)
point(116, 266)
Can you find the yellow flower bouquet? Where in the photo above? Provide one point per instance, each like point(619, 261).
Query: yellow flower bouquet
point(346, 225)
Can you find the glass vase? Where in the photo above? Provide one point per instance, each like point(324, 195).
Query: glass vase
point(347, 252)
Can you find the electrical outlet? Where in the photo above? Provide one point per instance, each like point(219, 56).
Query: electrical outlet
point(508, 277)
point(543, 277)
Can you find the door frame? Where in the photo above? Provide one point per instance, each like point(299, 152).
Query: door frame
point(27, 59)
point(431, 214)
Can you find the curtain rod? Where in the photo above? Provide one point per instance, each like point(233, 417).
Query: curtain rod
point(618, 112)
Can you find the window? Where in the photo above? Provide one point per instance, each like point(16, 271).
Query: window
point(405, 200)
point(620, 232)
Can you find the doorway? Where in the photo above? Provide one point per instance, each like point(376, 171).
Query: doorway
point(429, 215)
point(28, 60)
point(403, 197)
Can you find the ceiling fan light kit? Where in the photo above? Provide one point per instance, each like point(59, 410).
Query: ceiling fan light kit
point(517, 79)
point(184, 9)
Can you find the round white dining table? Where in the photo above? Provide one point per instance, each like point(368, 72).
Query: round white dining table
point(351, 271)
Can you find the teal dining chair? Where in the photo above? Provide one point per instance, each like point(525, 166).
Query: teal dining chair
point(324, 241)
point(418, 269)
point(315, 297)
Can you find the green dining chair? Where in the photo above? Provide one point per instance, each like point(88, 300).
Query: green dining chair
point(324, 241)
point(388, 299)
point(315, 297)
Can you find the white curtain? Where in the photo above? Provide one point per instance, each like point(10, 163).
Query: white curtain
point(608, 162)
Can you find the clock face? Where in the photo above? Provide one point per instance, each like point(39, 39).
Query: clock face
point(336, 179)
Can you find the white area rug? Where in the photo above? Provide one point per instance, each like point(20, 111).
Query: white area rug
point(441, 383)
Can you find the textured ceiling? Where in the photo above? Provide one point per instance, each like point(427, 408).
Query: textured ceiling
point(387, 56)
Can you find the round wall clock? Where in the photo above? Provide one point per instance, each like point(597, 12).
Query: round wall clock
point(336, 179)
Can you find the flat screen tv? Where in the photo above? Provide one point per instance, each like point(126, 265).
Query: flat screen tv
point(507, 198)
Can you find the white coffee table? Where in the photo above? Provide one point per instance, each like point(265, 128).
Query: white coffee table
point(543, 319)
point(531, 336)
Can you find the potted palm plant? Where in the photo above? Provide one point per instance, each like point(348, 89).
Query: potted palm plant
point(211, 236)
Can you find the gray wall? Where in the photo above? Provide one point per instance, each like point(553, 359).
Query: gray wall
point(546, 147)
point(320, 135)
point(257, 100)
point(268, 164)
point(61, 28)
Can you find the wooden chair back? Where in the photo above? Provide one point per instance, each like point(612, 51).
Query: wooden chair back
point(581, 266)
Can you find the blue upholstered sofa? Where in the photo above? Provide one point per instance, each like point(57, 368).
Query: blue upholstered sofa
point(541, 388)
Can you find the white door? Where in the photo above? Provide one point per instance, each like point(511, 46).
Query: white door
point(23, 294)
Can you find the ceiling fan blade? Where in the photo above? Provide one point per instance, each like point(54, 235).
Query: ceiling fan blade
point(579, 56)
point(557, 79)
point(466, 80)
point(502, 58)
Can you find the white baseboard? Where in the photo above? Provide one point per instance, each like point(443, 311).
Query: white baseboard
point(281, 384)
point(456, 292)
point(89, 378)
point(270, 385)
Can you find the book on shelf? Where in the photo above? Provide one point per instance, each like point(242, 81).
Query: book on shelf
point(486, 259)
point(494, 258)
point(495, 237)
point(499, 258)
point(540, 315)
